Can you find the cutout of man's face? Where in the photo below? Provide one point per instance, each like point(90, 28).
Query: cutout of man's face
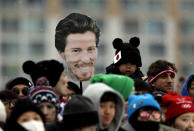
point(80, 54)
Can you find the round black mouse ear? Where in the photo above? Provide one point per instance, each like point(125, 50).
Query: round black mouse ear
point(28, 67)
point(117, 43)
point(134, 41)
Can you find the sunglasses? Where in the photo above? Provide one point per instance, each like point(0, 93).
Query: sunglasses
point(17, 91)
point(145, 115)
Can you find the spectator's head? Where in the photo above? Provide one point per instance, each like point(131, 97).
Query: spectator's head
point(143, 112)
point(161, 75)
point(180, 111)
point(108, 102)
point(27, 115)
point(8, 98)
point(19, 86)
point(127, 56)
point(45, 98)
point(190, 86)
point(80, 113)
point(72, 89)
point(76, 39)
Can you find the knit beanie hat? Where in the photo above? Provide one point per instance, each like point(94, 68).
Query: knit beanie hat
point(44, 93)
point(22, 106)
point(51, 69)
point(137, 102)
point(17, 81)
point(2, 112)
point(127, 52)
point(122, 84)
point(79, 112)
point(177, 105)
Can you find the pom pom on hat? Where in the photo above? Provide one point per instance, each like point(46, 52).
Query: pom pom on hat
point(177, 105)
point(117, 43)
point(28, 67)
point(134, 41)
point(122, 84)
point(137, 102)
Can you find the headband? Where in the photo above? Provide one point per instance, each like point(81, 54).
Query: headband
point(153, 78)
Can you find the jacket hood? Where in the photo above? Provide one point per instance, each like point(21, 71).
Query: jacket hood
point(95, 92)
point(184, 91)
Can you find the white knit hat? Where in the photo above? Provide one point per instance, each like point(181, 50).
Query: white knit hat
point(2, 112)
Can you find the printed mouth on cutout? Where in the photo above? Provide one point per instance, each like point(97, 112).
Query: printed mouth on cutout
point(84, 68)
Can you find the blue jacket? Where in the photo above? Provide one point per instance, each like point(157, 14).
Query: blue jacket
point(184, 91)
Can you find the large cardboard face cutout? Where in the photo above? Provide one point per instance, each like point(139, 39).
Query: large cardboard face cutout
point(80, 55)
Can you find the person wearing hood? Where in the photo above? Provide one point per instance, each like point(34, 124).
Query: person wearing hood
point(121, 83)
point(188, 87)
point(110, 106)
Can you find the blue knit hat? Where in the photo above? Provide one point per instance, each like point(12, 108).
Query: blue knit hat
point(138, 101)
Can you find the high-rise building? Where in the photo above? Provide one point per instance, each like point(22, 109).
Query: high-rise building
point(165, 28)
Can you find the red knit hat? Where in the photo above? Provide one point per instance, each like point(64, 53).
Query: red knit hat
point(177, 105)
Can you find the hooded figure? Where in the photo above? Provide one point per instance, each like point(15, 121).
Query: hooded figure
point(96, 92)
point(186, 89)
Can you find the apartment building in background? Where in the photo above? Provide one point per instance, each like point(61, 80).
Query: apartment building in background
point(165, 28)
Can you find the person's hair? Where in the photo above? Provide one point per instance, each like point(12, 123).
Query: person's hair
point(141, 85)
point(7, 95)
point(74, 23)
point(109, 96)
point(72, 86)
point(171, 121)
point(189, 82)
point(158, 66)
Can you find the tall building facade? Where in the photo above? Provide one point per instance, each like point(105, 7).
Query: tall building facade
point(165, 28)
